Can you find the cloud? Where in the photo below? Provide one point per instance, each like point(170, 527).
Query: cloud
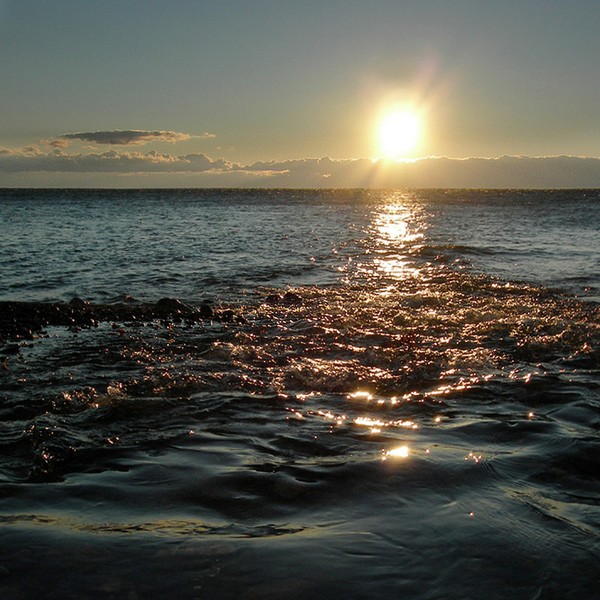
point(437, 172)
point(56, 143)
point(502, 172)
point(433, 172)
point(128, 137)
point(31, 150)
point(110, 162)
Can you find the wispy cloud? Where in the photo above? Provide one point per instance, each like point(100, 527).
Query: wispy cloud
point(129, 137)
point(437, 172)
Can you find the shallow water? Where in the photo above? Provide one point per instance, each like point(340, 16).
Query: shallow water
point(421, 422)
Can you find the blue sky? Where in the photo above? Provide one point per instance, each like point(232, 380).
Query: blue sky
point(249, 81)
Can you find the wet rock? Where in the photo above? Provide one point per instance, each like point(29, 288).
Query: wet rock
point(227, 316)
point(205, 311)
point(171, 307)
point(290, 298)
point(21, 320)
point(10, 349)
point(76, 301)
point(273, 299)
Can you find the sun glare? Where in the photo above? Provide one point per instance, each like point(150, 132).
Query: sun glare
point(399, 133)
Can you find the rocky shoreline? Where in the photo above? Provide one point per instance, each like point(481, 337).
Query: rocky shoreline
point(24, 320)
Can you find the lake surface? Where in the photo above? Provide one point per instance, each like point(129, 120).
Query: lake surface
point(418, 417)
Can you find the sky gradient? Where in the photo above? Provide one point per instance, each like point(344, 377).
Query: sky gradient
point(258, 92)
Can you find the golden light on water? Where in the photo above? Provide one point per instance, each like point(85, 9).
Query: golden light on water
point(394, 232)
point(394, 225)
point(361, 395)
point(393, 267)
point(399, 452)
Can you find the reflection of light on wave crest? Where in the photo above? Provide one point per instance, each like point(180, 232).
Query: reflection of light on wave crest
point(393, 267)
point(399, 452)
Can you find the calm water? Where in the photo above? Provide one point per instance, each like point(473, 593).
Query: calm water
point(423, 422)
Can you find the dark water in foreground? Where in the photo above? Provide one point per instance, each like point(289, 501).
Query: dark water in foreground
point(422, 422)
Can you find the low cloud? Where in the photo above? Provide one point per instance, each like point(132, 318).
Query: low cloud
point(128, 137)
point(110, 162)
point(57, 143)
point(437, 172)
point(433, 172)
point(31, 150)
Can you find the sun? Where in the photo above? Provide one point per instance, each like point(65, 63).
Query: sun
point(399, 133)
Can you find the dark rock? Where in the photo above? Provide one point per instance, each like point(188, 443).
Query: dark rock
point(205, 311)
point(76, 301)
point(22, 320)
point(171, 306)
point(227, 316)
point(10, 349)
point(290, 298)
point(273, 299)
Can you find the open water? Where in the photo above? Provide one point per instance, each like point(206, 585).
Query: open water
point(418, 418)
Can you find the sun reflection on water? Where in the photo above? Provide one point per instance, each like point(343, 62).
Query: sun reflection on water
point(361, 395)
point(393, 267)
point(395, 223)
point(399, 452)
point(394, 232)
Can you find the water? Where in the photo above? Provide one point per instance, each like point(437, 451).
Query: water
point(421, 422)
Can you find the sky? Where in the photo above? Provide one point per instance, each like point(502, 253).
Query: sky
point(279, 93)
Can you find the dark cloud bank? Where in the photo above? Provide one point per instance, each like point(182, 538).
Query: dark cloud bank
point(201, 170)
